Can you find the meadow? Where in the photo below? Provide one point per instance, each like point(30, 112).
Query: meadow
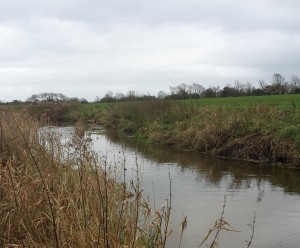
point(274, 100)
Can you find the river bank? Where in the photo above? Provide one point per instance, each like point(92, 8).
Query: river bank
point(264, 130)
point(260, 132)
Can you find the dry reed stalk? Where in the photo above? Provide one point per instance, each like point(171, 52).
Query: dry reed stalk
point(252, 226)
point(168, 212)
point(219, 225)
point(183, 227)
point(47, 187)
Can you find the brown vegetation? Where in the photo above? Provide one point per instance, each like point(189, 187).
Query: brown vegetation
point(55, 196)
point(258, 132)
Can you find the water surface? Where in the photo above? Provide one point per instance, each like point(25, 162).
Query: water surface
point(199, 184)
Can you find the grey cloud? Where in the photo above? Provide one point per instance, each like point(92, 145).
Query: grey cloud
point(143, 45)
point(230, 13)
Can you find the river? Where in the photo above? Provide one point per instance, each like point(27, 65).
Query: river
point(199, 184)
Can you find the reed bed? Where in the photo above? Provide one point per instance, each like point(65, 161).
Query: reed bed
point(55, 195)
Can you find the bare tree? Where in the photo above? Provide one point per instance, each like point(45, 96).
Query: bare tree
point(120, 96)
point(108, 97)
point(97, 99)
point(180, 91)
point(161, 94)
point(249, 88)
point(295, 81)
point(183, 90)
point(33, 99)
point(262, 84)
point(198, 89)
point(238, 86)
point(48, 97)
point(132, 95)
point(294, 85)
point(279, 84)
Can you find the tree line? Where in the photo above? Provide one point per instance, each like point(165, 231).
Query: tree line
point(278, 86)
point(54, 98)
point(49, 97)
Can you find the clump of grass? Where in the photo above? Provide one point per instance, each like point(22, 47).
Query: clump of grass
point(55, 196)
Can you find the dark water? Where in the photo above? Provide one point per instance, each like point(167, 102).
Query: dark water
point(199, 184)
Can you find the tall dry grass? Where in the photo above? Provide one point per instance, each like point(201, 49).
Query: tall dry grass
point(56, 196)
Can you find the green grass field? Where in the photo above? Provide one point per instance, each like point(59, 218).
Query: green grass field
point(275, 100)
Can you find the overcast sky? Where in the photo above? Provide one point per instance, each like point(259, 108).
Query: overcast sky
point(85, 48)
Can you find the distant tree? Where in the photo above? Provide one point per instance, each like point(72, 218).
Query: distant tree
point(294, 86)
point(33, 99)
point(209, 93)
point(108, 97)
point(16, 102)
point(83, 100)
point(197, 90)
point(212, 92)
point(249, 88)
point(181, 91)
point(161, 94)
point(97, 99)
point(238, 86)
point(173, 90)
point(263, 85)
point(258, 92)
point(295, 80)
point(132, 95)
point(147, 97)
point(47, 97)
point(217, 90)
point(189, 90)
point(279, 84)
point(74, 100)
point(119, 96)
point(229, 91)
point(62, 97)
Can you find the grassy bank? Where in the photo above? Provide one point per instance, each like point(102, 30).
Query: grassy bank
point(273, 100)
point(264, 132)
point(54, 195)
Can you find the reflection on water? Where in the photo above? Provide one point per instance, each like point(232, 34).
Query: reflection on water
point(199, 183)
point(214, 170)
